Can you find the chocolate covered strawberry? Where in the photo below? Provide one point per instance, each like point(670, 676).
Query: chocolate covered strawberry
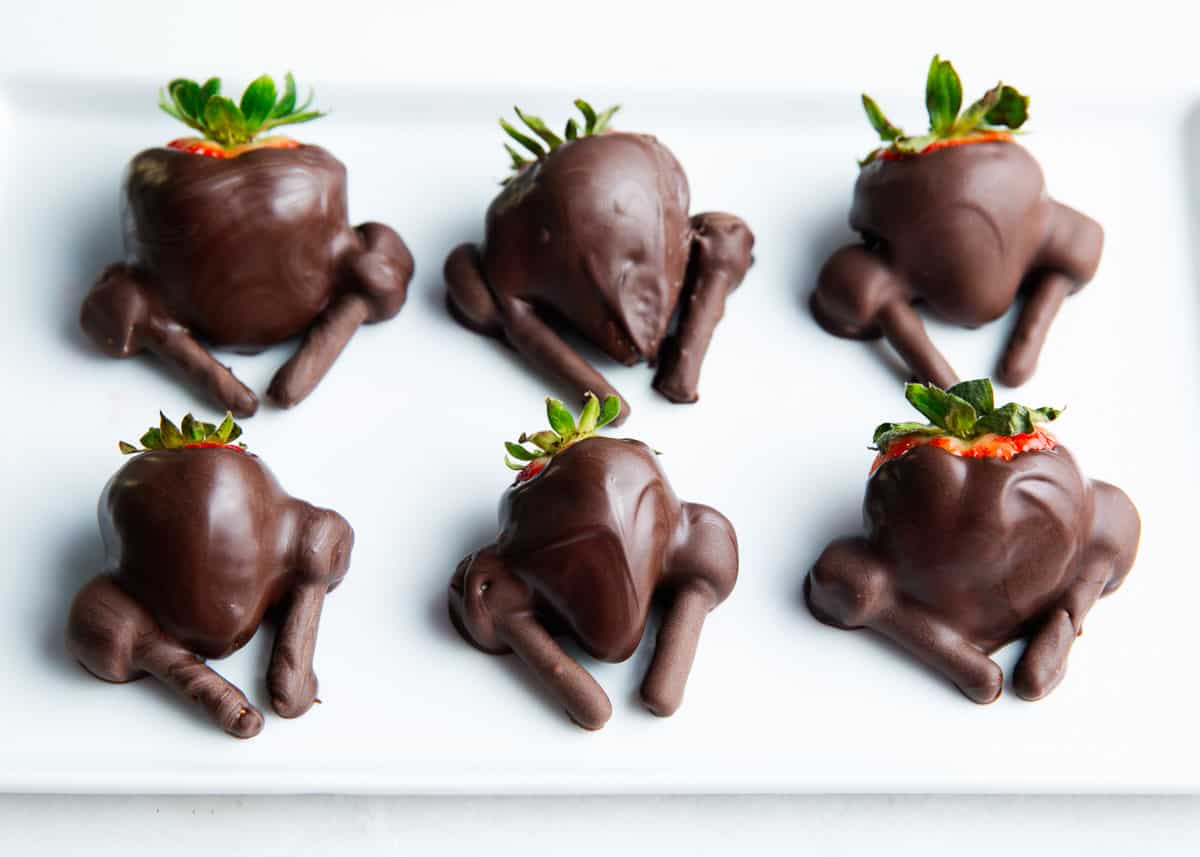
point(241, 240)
point(590, 533)
point(200, 543)
point(593, 228)
point(980, 529)
point(958, 219)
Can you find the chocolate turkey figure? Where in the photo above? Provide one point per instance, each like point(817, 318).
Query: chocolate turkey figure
point(590, 533)
point(243, 242)
point(201, 542)
point(981, 530)
point(594, 230)
point(958, 220)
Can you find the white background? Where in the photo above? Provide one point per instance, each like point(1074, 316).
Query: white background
point(697, 48)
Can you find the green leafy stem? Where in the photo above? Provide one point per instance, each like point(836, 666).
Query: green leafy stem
point(966, 411)
point(593, 123)
point(564, 430)
point(220, 119)
point(166, 435)
point(1001, 107)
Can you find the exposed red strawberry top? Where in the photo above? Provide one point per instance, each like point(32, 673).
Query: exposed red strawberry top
point(197, 146)
point(988, 120)
point(563, 432)
point(985, 137)
point(230, 128)
point(189, 434)
point(985, 446)
point(207, 445)
point(964, 421)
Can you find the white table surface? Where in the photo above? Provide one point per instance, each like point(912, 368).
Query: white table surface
point(698, 47)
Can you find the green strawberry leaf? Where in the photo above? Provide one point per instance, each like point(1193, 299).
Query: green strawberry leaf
point(589, 116)
point(126, 448)
point(590, 414)
point(152, 439)
point(1011, 110)
point(572, 130)
point(609, 411)
point(537, 126)
point(225, 429)
point(604, 118)
point(978, 392)
point(885, 129)
point(257, 102)
point(544, 440)
point(560, 418)
point(519, 452)
point(224, 122)
point(171, 438)
point(1014, 419)
point(512, 465)
point(943, 95)
point(977, 113)
point(528, 142)
point(285, 104)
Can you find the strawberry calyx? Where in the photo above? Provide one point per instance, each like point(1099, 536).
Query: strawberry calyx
point(992, 118)
point(593, 124)
point(564, 431)
point(189, 434)
point(232, 126)
point(964, 421)
point(210, 149)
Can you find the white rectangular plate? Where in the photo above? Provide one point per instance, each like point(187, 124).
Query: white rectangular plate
point(403, 437)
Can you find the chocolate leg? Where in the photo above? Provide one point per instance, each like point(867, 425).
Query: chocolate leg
point(544, 348)
point(322, 344)
point(850, 586)
point(675, 649)
point(123, 317)
point(941, 647)
point(1111, 551)
point(290, 678)
point(721, 258)
point(701, 573)
point(468, 297)
point(473, 305)
point(584, 699)
point(1044, 662)
point(118, 641)
point(1041, 306)
point(1068, 259)
point(903, 328)
point(377, 276)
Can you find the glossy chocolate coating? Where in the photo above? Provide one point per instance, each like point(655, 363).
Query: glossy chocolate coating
point(961, 230)
point(963, 555)
point(244, 252)
point(583, 549)
point(200, 544)
point(598, 234)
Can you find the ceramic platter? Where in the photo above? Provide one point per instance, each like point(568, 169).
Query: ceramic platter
point(404, 438)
